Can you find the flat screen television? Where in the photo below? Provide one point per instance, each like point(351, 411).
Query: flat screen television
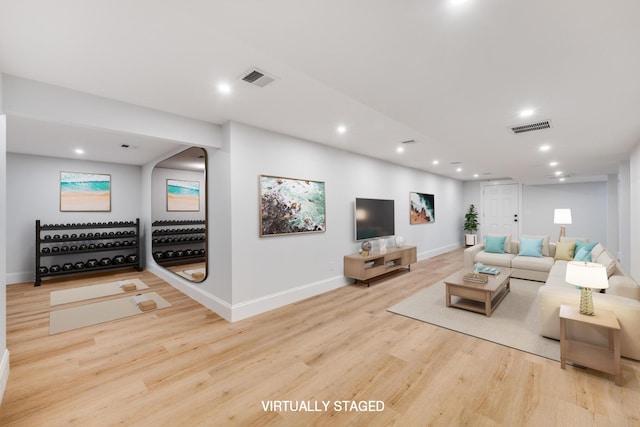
point(374, 218)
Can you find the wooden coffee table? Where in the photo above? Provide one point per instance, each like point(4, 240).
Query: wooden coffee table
point(478, 297)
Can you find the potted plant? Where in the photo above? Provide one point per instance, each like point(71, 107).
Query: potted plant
point(471, 226)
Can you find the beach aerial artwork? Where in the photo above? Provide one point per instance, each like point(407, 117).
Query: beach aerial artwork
point(291, 206)
point(183, 195)
point(422, 208)
point(83, 192)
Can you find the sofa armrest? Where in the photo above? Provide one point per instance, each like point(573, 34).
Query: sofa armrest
point(627, 311)
point(470, 255)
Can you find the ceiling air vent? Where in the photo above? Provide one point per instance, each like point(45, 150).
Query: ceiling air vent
point(545, 124)
point(257, 77)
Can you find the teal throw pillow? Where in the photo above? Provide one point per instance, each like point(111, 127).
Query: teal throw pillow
point(495, 244)
point(586, 246)
point(582, 255)
point(531, 247)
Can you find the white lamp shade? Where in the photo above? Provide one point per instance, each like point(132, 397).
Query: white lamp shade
point(562, 216)
point(587, 275)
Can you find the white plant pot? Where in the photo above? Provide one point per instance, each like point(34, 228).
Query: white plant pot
point(470, 239)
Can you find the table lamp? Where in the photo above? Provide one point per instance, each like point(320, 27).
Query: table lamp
point(588, 276)
point(562, 217)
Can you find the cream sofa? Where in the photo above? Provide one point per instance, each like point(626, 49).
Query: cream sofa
point(622, 297)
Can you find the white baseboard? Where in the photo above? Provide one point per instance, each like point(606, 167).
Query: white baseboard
point(438, 251)
point(4, 373)
point(20, 277)
point(266, 303)
point(210, 301)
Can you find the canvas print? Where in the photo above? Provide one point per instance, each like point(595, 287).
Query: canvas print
point(422, 209)
point(183, 196)
point(291, 206)
point(85, 192)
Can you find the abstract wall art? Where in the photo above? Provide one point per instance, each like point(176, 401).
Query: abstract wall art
point(289, 205)
point(421, 208)
point(183, 196)
point(85, 192)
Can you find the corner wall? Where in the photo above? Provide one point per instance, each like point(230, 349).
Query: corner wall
point(634, 213)
point(4, 352)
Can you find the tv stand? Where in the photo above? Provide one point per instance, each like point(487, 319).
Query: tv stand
point(364, 268)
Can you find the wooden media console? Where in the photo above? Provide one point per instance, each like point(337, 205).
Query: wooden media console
point(364, 268)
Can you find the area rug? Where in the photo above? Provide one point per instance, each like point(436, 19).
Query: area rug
point(514, 323)
point(91, 314)
point(82, 293)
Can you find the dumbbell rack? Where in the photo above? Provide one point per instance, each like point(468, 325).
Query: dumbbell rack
point(176, 236)
point(93, 239)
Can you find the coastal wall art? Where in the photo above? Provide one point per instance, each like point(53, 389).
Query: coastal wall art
point(85, 192)
point(183, 196)
point(421, 208)
point(289, 205)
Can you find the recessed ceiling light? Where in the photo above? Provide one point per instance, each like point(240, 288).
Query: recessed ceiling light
point(553, 164)
point(224, 88)
point(558, 173)
point(400, 149)
point(79, 151)
point(341, 129)
point(435, 162)
point(459, 170)
point(561, 179)
point(527, 112)
point(545, 147)
point(475, 175)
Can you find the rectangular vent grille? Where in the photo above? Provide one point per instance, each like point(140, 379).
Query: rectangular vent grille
point(257, 77)
point(252, 76)
point(531, 127)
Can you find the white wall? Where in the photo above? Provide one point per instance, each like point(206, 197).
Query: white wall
point(625, 197)
point(4, 352)
point(33, 192)
point(587, 201)
point(634, 213)
point(272, 268)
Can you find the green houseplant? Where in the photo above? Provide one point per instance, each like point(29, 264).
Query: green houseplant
point(471, 226)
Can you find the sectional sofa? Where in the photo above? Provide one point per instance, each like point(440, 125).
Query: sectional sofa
point(622, 297)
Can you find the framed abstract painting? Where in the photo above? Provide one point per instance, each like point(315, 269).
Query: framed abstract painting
point(183, 196)
point(85, 192)
point(421, 208)
point(289, 205)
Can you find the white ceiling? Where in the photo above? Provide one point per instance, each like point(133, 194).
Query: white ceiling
point(452, 77)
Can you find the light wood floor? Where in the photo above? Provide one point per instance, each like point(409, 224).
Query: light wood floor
point(185, 366)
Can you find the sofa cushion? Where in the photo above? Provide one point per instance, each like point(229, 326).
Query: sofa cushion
point(565, 250)
point(624, 286)
point(545, 242)
point(582, 255)
point(608, 261)
point(532, 263)
point(507, 241)
point(530, 247)
point(596, 251)
point(495, 244)
point(587, 247)
point(498, 260)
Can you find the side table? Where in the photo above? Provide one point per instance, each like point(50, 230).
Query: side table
point(604, 359)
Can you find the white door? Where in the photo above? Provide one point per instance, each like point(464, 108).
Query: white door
point(501, 209)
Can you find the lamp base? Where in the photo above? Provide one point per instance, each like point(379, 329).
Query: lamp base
point(586, 302)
